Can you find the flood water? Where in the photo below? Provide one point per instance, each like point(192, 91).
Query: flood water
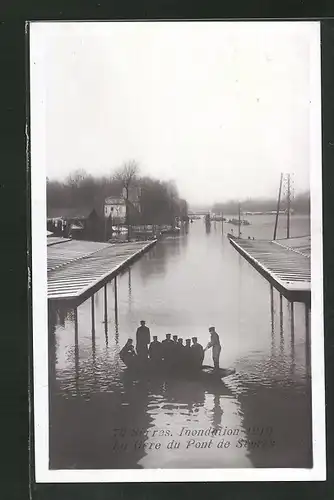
point(260, 416)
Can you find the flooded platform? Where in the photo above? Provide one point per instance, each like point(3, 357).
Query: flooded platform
point(54, 240)
point(77, 269)
point(285, 263)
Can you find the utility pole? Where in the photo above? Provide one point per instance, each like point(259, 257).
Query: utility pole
point(288, 206)
point(278, 205)
point(239, 222)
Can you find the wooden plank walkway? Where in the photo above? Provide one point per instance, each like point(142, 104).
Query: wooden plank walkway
point(64, 252)
point(289, 271)
point(82, 276)
point(300, 245)
point(54, 240)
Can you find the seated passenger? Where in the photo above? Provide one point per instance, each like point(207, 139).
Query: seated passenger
point(155, 350)
point(128, 354)
point(197, 353)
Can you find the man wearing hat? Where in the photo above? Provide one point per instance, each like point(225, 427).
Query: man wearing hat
point(197, 353)
point(216, 347)
point(143, 339)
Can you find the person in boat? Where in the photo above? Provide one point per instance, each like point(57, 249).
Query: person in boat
point(187, 356)
point(155, 351)
point(197, 353)
point(143, 339)
point(167, 350)
point(174, 349)
point(128, 354)
point(179, 360)
point(216, 347)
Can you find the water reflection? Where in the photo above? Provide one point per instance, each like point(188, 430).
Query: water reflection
point(217, 413)
point(153, 263)
point(184, 285)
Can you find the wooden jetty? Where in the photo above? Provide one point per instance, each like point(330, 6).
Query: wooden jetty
point(77, 269)
point(284, 263)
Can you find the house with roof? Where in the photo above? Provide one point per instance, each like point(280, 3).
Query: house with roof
point(115, 207)
point(84, 223)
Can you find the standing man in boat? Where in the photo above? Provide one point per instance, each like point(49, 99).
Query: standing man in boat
point(187, 356)
point(197, 353)
point(155, 352)
point(167, 350)
point(174, 351)
point(179, 360)
point(143, 339)
point(216, 347)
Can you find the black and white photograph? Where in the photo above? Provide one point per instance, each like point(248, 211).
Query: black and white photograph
point(176, 233)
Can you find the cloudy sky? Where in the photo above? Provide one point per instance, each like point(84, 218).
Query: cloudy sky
point(222, 108)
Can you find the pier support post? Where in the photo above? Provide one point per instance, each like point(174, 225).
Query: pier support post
point(129, 283)
point(307, 340)
point(292, 339)
point(106, 313)
point(52, 348)
point(93, 314)
point(281, 324)
point(93, 331)
point(105, 304)
point(292, 319)
point(272, 318)
point(116, 306)
point(281, 312)
point(76, 348)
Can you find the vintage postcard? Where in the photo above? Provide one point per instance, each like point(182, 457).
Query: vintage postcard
point(176, 251)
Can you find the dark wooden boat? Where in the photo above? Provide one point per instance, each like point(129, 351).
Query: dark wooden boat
point(147, 370)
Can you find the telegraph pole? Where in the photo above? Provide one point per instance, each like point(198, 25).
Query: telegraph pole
point(239, 221)
point(278, 205)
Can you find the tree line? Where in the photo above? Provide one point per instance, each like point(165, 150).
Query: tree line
point(299, 203)
point(159, 200)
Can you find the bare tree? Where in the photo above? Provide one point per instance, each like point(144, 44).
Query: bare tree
point(127, 176)
point(75, 178)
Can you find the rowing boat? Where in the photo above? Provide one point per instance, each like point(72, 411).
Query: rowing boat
point(160, 371)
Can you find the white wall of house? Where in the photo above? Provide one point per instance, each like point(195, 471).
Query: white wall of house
point(117, 211)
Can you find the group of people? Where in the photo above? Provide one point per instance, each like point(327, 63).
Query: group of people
point(171, 353)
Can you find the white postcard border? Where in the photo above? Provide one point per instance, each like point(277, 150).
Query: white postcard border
point(39, 303)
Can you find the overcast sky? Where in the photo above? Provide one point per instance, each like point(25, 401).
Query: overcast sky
point(222, 108)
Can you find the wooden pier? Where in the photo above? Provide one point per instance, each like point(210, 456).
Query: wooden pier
point(77, 269)
point(284, 263)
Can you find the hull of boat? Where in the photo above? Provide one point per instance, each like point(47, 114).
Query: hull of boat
point(161, 372)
